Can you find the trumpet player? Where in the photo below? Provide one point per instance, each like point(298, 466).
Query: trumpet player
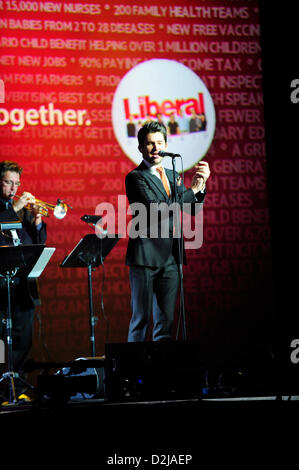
point(24, 292)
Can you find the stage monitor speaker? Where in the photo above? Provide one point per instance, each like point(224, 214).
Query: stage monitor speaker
point(153, 371)
point(81, 379)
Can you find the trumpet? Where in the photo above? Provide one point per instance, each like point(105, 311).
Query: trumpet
point(43, 208)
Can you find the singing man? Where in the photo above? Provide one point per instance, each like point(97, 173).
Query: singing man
point(153, 261)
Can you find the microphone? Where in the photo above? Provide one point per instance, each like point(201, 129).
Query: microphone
point(168, 154)
point(91, 219)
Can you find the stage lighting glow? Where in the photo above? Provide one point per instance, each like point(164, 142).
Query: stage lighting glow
point(168, 89)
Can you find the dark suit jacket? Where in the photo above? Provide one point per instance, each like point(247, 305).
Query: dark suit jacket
point(144, 187)
point(24, 291)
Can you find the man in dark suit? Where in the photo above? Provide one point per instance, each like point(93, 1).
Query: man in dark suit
point(153, 259)
point(24, 292)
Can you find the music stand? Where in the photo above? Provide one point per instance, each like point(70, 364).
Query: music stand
point(9, 220)
point(89, 253)
point(26, 261)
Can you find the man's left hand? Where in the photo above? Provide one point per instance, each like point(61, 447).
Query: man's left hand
point(202, 173)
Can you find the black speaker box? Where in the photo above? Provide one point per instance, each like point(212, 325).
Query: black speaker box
point(153, 371)
point(83, 378)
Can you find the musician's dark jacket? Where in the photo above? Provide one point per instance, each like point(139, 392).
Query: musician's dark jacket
point(23, 291)
point(144, 187)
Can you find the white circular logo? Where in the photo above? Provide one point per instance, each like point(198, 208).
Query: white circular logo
point(166, 90)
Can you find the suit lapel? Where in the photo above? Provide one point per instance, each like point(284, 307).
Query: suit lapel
point(155, 183)
point(169, 174)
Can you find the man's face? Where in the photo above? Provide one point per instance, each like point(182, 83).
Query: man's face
point(9, 184)
point(154, 142)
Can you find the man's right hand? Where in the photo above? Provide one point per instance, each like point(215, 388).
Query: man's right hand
point(24, 199)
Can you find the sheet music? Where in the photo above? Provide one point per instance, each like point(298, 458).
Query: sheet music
point(41, 262)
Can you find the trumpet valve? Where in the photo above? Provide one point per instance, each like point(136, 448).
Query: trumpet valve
point(41, 209)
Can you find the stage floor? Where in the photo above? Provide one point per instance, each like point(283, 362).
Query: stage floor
point(235, 431)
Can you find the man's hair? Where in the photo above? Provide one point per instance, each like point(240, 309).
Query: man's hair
point(150, 128)
point(7, 165)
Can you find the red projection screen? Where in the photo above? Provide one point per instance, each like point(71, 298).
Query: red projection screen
point(72, 76)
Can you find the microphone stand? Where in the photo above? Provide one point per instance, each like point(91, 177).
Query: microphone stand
point(181, 251)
